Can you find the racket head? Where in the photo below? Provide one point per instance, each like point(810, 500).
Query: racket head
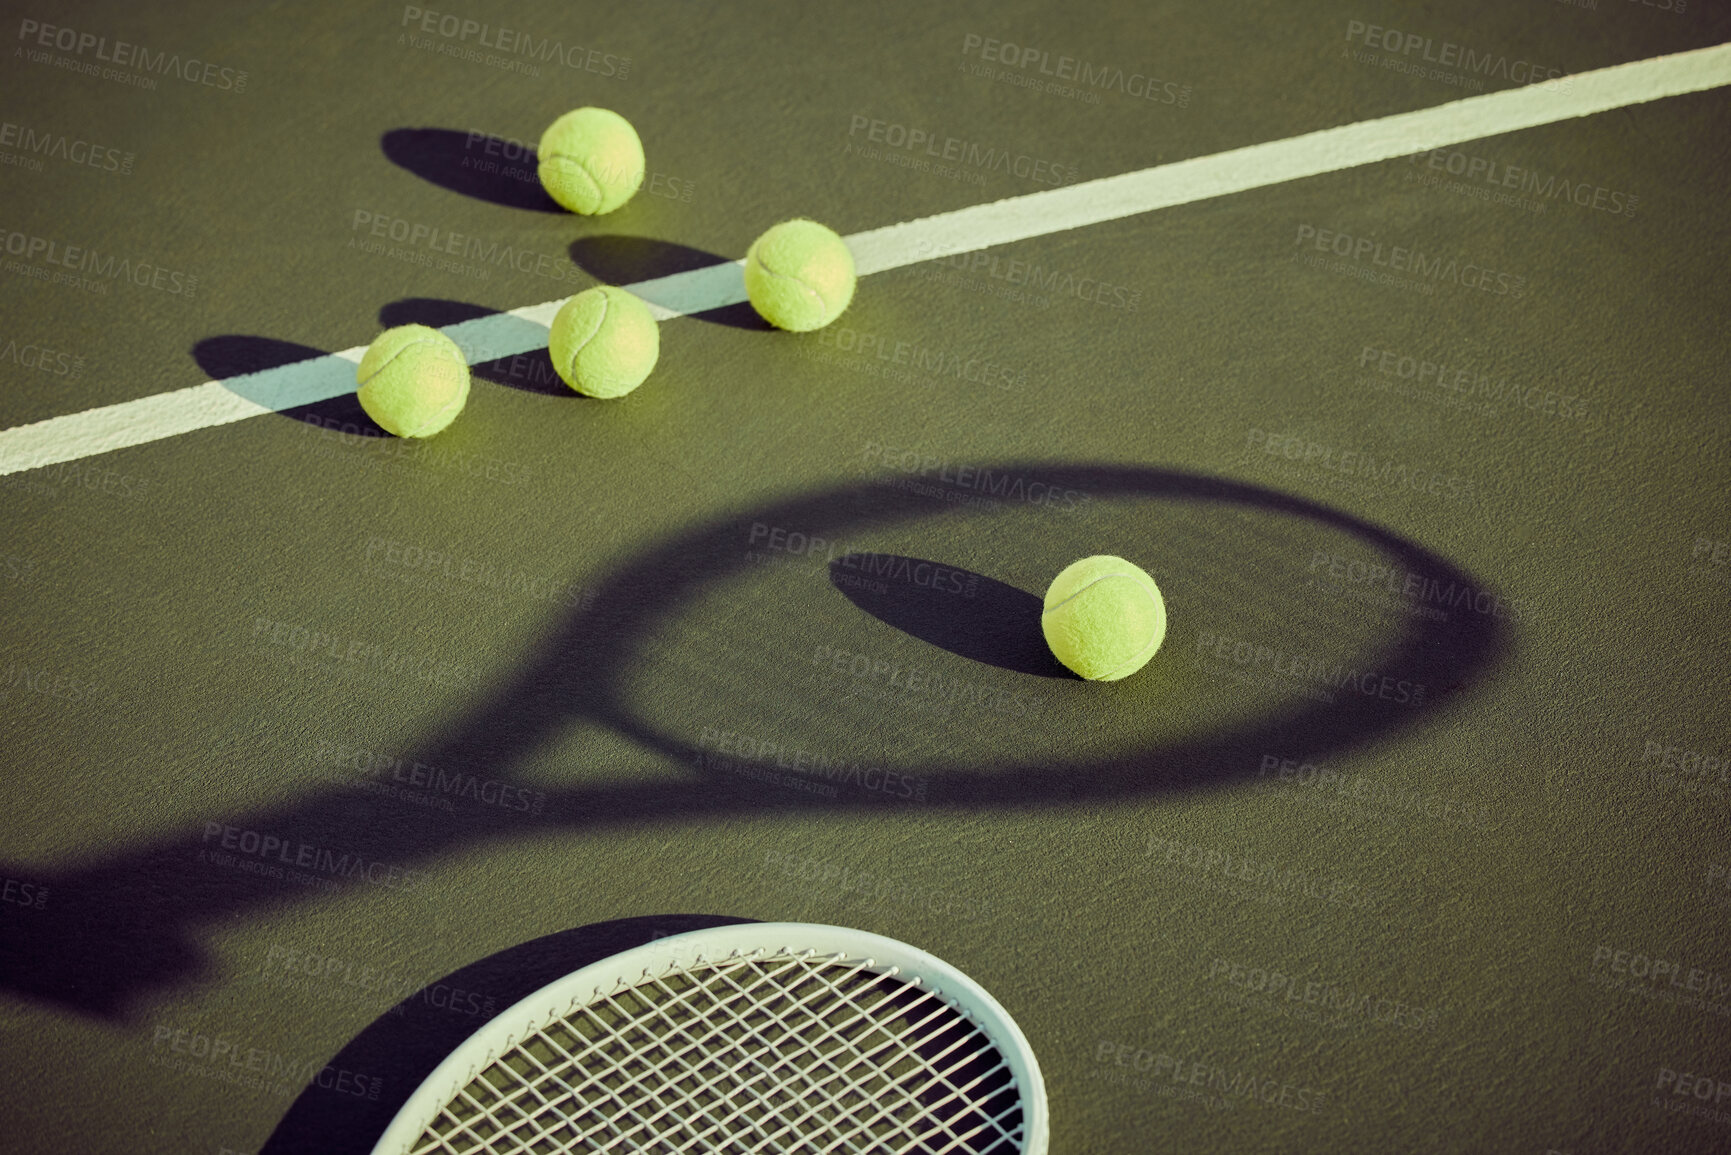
point(751, 1037)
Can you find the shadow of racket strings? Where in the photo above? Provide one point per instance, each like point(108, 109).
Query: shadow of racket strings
point(129, 924)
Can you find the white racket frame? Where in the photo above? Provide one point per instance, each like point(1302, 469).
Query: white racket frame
point(586, 984)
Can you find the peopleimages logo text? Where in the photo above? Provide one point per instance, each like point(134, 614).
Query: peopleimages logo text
point(84, 259)
point(59, 146)
point(1451, 55)
point(1131, 83)
point(515, 41)
point(1410, 259)
point(958, 151)
point(126, 55)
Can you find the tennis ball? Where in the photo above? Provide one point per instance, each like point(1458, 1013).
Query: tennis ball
point(1103, 618)
point(413, 380)
point(604, 342)
point(799, 275)
point(590, 160)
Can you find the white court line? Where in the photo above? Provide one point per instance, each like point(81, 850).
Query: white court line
point(78, 435)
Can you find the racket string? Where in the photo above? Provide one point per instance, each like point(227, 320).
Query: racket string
point(767, 1052)
point(771, 1044)
point(593, 1052)
point(875, 1085)
point(724, 1083)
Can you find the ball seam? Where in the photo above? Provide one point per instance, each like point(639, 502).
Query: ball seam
point(577, 351)
point(1138, 656)
point(389, 361)
point(600, 192)
point(812, 289)
point(439, 418)
point(1102, 578)
point(1153, 642)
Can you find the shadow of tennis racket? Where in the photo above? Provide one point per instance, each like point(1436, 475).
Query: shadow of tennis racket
point(127, 926)
point(402, 1049)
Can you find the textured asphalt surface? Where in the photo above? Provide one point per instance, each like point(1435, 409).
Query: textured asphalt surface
point(321, 747)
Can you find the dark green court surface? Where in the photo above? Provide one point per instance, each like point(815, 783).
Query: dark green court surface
point(323, 747)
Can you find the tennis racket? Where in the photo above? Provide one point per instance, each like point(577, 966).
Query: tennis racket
point(759, 1037)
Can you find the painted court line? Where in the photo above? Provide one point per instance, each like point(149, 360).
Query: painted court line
point(524, 330)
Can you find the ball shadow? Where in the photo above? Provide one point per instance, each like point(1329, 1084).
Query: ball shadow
point(969, 614)
point(486, 168)
point(530, 372)
point(618, 260)
point(621, 260)
point(433, 312)
point(235, 355)
point(232, 357)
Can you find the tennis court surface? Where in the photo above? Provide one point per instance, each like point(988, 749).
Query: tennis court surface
point(323, 747)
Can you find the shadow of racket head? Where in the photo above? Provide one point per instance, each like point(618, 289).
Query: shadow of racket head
point(1195, 718)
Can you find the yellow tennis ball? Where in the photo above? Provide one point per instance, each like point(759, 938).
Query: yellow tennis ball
point(413, 381)
point(604, 342)
point(799, 275)
point(590, 160)
point(1103, 618)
